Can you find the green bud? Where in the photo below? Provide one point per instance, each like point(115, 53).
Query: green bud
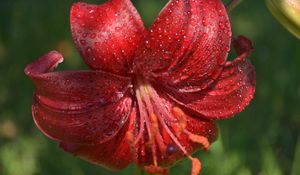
point(287, 12)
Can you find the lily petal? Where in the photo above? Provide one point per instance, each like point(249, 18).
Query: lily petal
point(231, 92)
point(187, 45)
point(114, 154)
point(107, 35)
point(78, 107)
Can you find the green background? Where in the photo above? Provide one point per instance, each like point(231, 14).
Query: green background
point(262, 140)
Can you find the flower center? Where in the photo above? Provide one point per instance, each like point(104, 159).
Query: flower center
point(158, 119)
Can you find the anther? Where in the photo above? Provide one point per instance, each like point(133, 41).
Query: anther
point(200, 139)
point(152, 169)
point(181, 116)
point(196, 166)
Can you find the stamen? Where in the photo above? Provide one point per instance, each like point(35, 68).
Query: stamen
point(130, 137)
point(159, 105)
point(154, 123)
point(181, 116)
point(196, 166)
point(173, 137)
point(156, 170)
point(161, 145)
point(154, 131)
point(143, 113)
point(149, 108)
point(148, 100)
point(198, 139)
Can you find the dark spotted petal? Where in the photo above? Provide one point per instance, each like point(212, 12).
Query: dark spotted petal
point(231, 92)
point(78, 107)
point(107, 35)
point(187, 45)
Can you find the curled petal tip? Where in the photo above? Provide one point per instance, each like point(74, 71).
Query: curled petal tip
point(242, 44)
point(44, 64)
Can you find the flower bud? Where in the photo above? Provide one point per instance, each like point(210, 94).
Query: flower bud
point(287, 12)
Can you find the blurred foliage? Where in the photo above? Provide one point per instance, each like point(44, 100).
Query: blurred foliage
point(262, 140)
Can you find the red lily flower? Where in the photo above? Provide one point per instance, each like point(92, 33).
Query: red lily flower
point(152, 95)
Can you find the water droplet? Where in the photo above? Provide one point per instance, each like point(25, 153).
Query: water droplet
point(221, 12)
point(168, 21)
point(89, 52)
point(177, 36)
point(83, 42)
point(84, 35)
point(166, 33)
point(221, 25)
point(147, 44)
point(205, 36)
point(193, 22)
point(79, 15)
point(82, 24)
point(151, 32)
point(93, 36)
point(143, 153)
point(159, 30)
point(204, 21)
point(166, 55)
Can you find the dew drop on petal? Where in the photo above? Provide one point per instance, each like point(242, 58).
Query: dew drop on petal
point(84, 35)
point(204, 21)
point(147, 44)
point(205, 36)
point(88, 52)
point(93, 36)
point(118, 29)
point(221, 25)
point(83, 42)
